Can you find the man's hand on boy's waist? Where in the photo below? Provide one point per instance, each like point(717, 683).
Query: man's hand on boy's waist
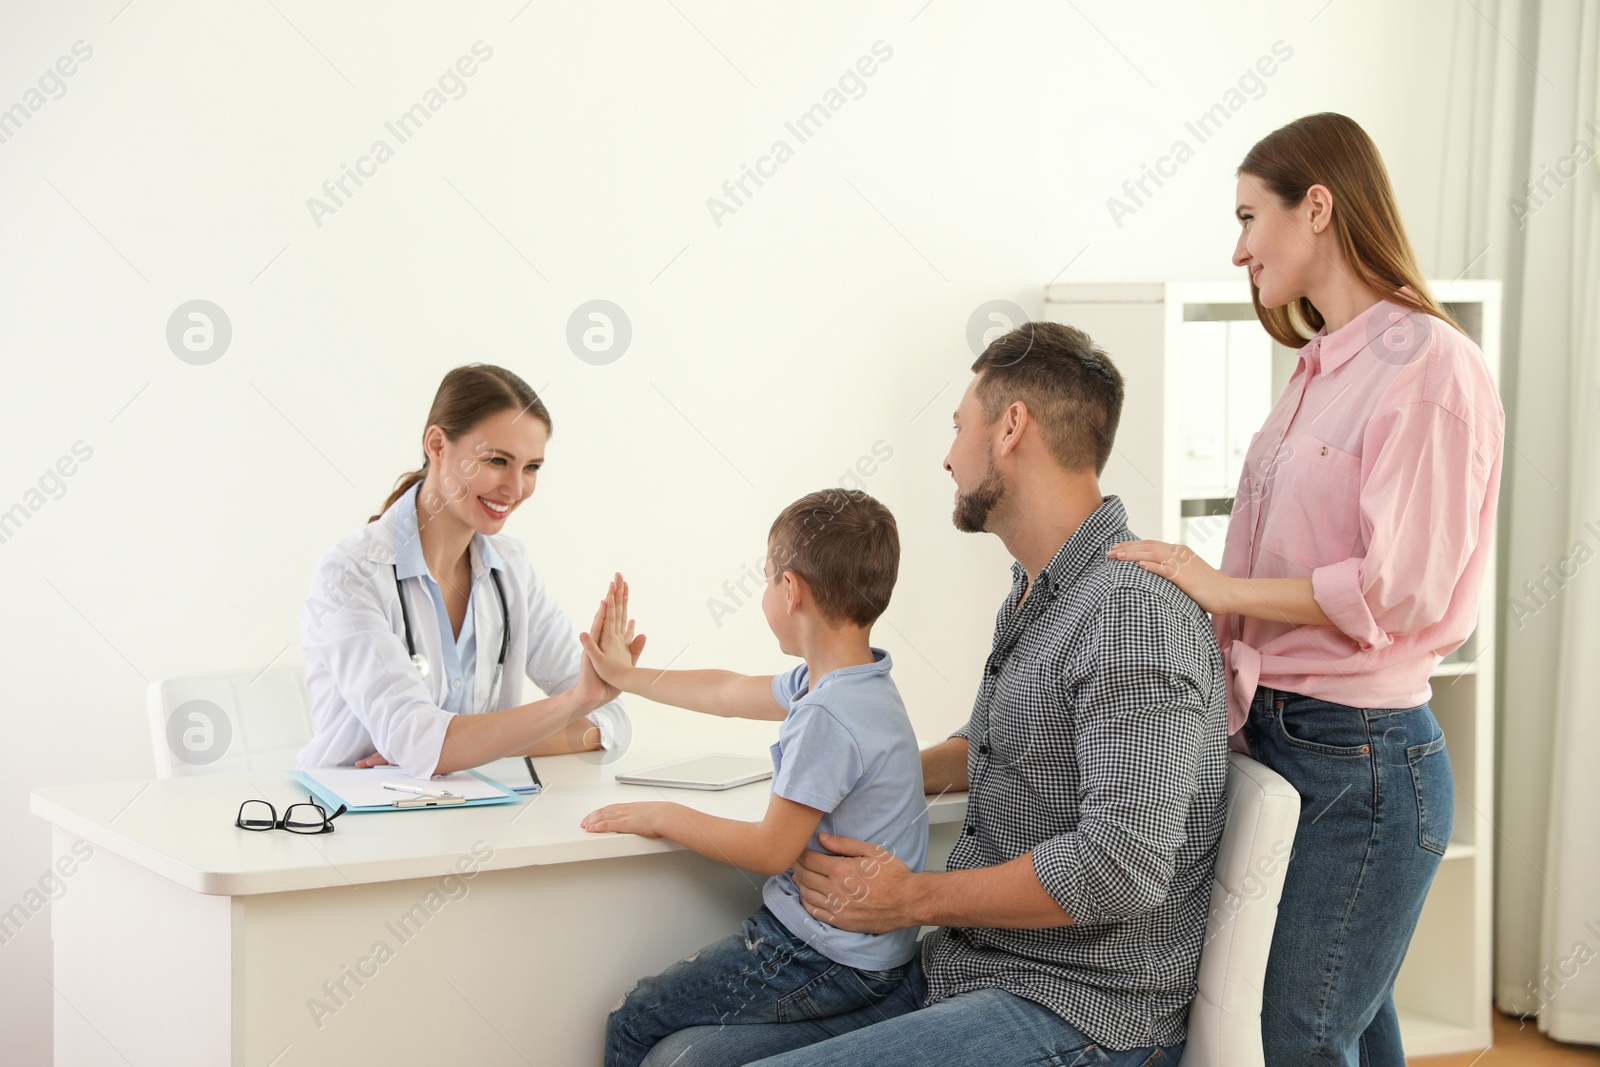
point(863, 888)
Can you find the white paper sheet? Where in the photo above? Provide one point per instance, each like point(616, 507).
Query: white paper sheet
point(361, 787)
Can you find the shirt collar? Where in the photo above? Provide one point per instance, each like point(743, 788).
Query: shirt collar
point(1330, 351)
point(408, 559)
point(1085, 547)
point(881, 664)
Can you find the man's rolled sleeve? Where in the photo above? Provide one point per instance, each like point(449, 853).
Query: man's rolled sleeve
point(1138, 725)
point(1116, 865)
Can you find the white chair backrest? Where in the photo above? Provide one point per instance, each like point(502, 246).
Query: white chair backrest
point(255, 720)
point(1225, 1018)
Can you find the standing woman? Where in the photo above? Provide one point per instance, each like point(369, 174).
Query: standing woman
point(1358, 540)
point(421, 625)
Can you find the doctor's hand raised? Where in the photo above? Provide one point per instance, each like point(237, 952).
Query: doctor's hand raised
point(610, 647)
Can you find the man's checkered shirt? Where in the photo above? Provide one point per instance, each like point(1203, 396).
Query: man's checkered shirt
point(1098, 742)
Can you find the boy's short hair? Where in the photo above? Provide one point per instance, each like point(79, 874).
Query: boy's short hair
point(845, 545)
point(1068, 382)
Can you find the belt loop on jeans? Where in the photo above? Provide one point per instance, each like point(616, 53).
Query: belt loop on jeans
point(1274, 701)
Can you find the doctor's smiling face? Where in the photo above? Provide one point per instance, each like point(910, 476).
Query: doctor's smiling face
point(487, 471)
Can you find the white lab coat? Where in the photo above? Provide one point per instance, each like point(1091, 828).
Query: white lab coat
point(367, 696)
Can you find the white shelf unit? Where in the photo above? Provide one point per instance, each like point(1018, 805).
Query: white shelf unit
point(1163, 468)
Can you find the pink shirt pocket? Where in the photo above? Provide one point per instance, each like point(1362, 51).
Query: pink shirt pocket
point(1317, 520)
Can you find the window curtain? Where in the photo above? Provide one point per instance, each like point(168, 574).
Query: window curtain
point(1522, 204)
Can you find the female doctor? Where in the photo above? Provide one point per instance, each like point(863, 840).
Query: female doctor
point(421, 625)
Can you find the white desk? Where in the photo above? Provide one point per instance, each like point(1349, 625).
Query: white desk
point(184, 940)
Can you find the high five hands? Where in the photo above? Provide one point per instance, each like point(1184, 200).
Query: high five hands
point(610, 648)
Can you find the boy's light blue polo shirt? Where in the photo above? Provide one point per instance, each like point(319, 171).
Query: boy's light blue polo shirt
point(848, 750)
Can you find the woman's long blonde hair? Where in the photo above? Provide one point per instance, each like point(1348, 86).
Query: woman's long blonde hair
point(1331, 150)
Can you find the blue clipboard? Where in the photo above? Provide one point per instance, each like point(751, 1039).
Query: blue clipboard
point(333, 800)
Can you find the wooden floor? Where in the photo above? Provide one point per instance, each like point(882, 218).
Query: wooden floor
point(1517, 1044)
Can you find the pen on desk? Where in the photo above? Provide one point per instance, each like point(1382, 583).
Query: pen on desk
point(437, 794)
point(531, 772)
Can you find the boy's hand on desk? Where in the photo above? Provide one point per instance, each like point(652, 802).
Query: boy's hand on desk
point(610, 647)
point(639, 818)
point(375, 760)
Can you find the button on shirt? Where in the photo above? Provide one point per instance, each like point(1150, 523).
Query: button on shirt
point(1377, 476)
point(1097, 742)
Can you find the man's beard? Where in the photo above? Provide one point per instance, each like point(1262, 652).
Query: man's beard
point(972, 509)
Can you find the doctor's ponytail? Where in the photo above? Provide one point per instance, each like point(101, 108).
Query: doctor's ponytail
point(466, 397)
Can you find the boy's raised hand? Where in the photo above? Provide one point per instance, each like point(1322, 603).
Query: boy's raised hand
point(617, 649)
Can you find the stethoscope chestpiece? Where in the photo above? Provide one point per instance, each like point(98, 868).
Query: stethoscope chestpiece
point(420, 662)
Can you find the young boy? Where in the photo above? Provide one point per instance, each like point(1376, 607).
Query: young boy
point(846, 762)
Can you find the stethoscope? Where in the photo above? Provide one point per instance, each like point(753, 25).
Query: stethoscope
point(420, 661)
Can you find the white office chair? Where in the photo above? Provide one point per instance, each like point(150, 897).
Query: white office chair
point(255, 720)
point(1225, 1017)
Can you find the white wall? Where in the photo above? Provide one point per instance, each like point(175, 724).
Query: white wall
point(769, 353)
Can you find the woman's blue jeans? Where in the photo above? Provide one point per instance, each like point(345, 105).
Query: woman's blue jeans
point(1377, 804)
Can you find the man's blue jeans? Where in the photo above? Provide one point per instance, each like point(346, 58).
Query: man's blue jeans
point(985, 1027)
point(763, 974)
point(1377, 804)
